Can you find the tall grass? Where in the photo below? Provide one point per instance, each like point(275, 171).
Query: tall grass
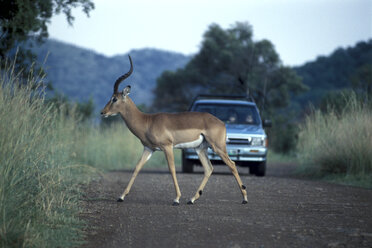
point(337, 146)
point(38, 198)
point(115, 147)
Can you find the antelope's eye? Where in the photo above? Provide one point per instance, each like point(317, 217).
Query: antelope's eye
point(114, 99)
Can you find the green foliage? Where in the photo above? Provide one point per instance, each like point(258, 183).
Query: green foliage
point(338, 102)
point(283, 134)
point(338, 145)
point(38, 180)
point(85, 109)
point(22, 19)
point(344, 68)
point(361, 80)
point(230, 62)
point(82, 110)
point(335, 101)
point(174, 90)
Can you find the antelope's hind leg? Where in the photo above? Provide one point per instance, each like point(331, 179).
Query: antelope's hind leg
point(225, 158)
point(147, 152)
point(208, 169)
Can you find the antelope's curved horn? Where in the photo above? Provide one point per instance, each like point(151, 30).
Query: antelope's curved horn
point(121, 78)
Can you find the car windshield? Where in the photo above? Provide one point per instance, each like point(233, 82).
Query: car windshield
point(231, 113)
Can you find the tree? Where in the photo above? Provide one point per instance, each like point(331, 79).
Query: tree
point(361, 80)
point(230, 62)
point(22, 20)
point(344, 68)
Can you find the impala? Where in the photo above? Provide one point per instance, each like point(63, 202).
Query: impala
point(166, 131)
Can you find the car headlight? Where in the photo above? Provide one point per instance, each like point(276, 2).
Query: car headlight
point(258, 141)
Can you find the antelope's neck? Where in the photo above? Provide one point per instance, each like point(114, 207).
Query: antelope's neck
point(134, 118)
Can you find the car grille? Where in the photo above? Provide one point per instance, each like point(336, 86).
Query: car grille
point(235, 141)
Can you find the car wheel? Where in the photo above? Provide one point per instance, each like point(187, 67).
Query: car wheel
point(187, 165)
point(260, 169)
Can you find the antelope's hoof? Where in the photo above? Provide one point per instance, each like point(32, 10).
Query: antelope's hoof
point(190, 203)
point(120, 200)
point(175, 204)
point(244, 202)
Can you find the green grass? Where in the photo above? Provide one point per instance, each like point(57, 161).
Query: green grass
point(337, 147)
point(38, 178)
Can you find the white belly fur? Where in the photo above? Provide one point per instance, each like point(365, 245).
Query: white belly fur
point(191, 144)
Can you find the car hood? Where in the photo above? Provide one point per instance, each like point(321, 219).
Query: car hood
point(246, 129)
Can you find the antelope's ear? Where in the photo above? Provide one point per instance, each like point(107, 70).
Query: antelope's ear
point(126, 91)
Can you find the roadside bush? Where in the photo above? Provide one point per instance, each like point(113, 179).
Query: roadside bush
point(337, 101)
point(283, 135)
point(338, 146)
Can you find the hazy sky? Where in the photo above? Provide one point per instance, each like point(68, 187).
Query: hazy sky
point(300, 29)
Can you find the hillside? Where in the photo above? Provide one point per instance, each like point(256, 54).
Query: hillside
point(81, 74)
point(333, 72)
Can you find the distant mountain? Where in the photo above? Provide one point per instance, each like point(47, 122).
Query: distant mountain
point(81, 74)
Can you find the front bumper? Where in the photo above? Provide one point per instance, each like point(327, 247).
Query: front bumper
point(236, 153)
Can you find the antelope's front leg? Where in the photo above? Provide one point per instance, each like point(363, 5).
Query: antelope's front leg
point(170, 159)
point(147, 152)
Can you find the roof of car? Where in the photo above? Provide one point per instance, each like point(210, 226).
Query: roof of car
point(224, 101)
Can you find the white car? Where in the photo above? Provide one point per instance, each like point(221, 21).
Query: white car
point(246, 141)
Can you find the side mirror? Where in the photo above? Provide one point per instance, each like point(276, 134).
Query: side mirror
point(267, 123)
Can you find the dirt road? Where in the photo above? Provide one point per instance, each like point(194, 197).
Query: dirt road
point(282, 211)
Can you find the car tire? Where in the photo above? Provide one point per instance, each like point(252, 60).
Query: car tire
point(260, 169)
point(187, 165)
